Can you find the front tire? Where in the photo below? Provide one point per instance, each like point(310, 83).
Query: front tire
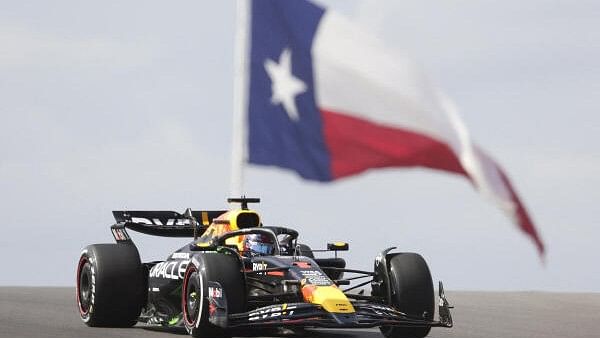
point(110, 285)
point(221, 268)
point(412, 293)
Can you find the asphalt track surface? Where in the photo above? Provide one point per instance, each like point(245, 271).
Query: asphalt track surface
point(51, 312)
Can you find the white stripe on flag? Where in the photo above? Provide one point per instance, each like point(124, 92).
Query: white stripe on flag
point(356, 75)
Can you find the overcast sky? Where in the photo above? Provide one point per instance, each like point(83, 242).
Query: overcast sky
point(115, 105)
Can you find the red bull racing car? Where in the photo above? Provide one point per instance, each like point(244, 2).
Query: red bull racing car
point(238, 273)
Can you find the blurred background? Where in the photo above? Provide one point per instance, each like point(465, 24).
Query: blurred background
point(128, 105)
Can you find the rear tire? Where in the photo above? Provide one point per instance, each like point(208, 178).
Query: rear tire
point(221, 268)
point(412, 293)
point(110, 285)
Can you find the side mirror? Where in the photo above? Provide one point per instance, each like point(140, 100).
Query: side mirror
point(337, 246)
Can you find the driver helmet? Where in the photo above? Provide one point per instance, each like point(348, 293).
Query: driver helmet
point(258, 244)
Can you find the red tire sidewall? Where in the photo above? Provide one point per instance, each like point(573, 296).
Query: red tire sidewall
point(188, 272)
point(84, 314)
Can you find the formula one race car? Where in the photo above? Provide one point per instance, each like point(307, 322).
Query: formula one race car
point(239, 273)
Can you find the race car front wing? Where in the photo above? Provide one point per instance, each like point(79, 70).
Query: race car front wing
point(366, 315)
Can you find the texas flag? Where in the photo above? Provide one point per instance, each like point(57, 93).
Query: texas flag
point(322, 98)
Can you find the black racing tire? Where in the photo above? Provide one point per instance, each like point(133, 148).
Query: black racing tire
point(412, 293)
point(226, 269)
point(110, 285)
point(305, 250)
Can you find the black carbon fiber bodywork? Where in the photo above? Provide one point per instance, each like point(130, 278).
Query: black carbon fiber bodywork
point(273, 283)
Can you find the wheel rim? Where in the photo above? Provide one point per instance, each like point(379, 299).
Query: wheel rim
point(192, 301)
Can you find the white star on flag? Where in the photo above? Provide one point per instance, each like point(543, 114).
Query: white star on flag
point(284, 85)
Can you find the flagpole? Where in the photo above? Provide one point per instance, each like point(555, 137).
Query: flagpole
point(240, 92)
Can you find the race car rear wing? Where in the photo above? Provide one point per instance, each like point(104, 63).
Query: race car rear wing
point(161, 223)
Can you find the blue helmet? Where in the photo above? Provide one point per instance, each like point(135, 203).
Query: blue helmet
point(258, 244)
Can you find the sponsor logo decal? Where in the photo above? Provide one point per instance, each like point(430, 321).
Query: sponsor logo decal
point(180, 255)
point(272, 312)
point(303, 265)
point(259, 266)
point(316, 277)
point(156, 221)
point(215, 292)
point(212, 309)
point(169, 269)
point(120, 234)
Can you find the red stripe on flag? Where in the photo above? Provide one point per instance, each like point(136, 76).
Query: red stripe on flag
point(356, 145)
point(520, 214)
